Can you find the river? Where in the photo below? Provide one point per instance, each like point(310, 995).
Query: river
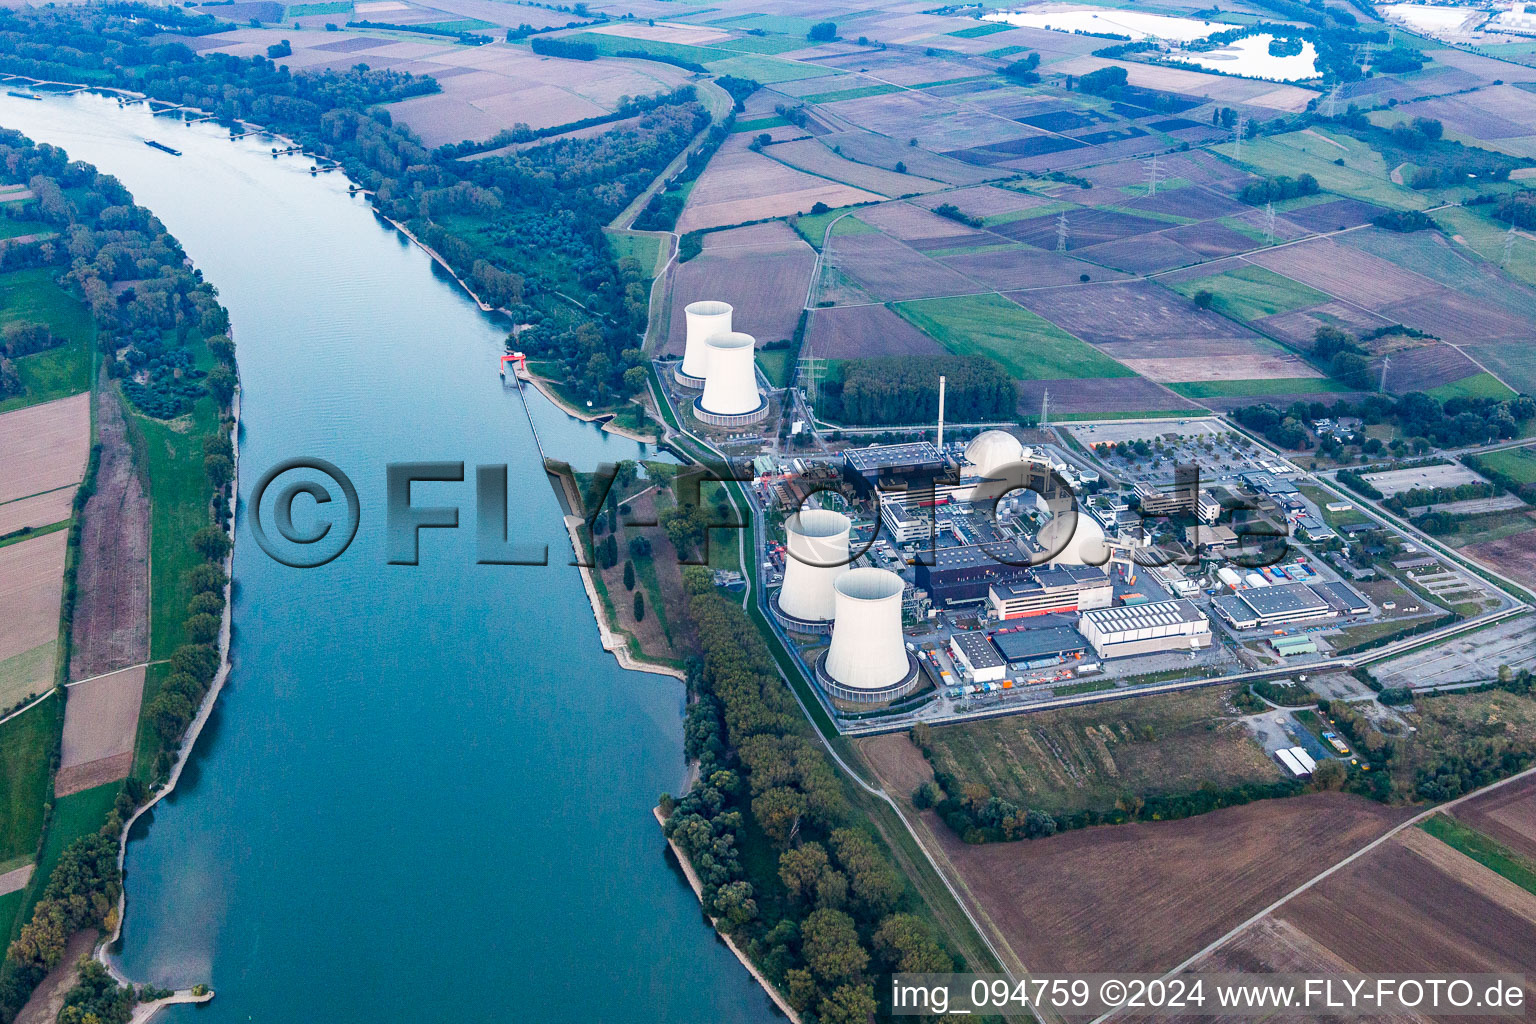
point(425, 794)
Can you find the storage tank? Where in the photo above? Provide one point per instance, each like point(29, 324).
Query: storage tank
point(730, 394)
point(867, 653)
point(817, 543)
point(704, 320)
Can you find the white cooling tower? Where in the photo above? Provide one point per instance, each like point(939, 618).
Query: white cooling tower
point(705, 320)
point(867, 652)
point(816, 540)
point(730, 394)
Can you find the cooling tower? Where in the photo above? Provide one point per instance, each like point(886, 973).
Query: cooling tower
point(730, 396)
point(868, 660)
point(705, 320)
point(816, 542)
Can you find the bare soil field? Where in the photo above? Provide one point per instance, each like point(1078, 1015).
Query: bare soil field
point(813, 157)
point(1459, 318)
point(897, 763)
point(1103, 395)
point(48, 998)
point(862, 332)
point(38, 510)
point(1142, 316)
point(890, 271)
point(691, 35)
point(985, 201)
point(870, 148)
point(111, 620)
point(1416, 905)
point(1144, 897)
point(31, 585)
point(101, 720)
point(937, 124)
point(1141, 254)
point(742, 185)
point(767, 289)
point(1508, 814)
point(1344, 272)
point(911, 223)
point(1197, 167)
point(1299, 326)
point(1086, 226)
point(1429, 366)
point(1334, 216)
point(43, 447)
point(1025, 267)
point(1514, 556)
point(1239, 366)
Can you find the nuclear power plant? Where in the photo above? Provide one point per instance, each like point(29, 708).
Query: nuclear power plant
point(704, 320)
point(731, 397)
point(867, 662)
point(816, 553)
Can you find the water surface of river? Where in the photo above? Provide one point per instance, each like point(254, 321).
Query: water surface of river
point(425, 793)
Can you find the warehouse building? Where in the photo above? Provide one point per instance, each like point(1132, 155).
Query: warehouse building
point(1286, 602)
point(974, 653)
point(1037, 648)
point(1286, 646)
point(1237, 613)
point(1145, 628)
point(1059, 588)
point(1343, 597)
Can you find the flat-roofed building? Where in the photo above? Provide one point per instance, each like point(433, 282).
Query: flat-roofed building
point(1145, 628)
point(1286, 602)
point(1237, 613)
point(974, 653)
point(1033, 648)
point(1343, 597)
point(1053, 589)
point(961, 574)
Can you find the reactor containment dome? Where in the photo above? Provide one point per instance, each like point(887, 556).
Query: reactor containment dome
point(816, 553)
point(730, 397)
point(991, 450)
point(867, 662)
point(1085, 544)
point(704, 320)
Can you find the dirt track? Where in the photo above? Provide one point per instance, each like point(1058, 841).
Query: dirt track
point(111, 621)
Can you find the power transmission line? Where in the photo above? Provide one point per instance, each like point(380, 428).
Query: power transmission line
point(1152, 176)
point(1269, 223)
point(1062, 231)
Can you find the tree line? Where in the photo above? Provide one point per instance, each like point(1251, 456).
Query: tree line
point(787, 867)
point(889, 390)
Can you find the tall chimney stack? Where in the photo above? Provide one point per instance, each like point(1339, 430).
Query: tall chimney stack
point(941, 413)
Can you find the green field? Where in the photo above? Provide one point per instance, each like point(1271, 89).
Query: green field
point(1479, 385)
point(980, 30)
point(1518, 463)
point(458, 25)
point(15, 227)
point(26, 749)
point(1249, 293)
point(608, 45)
point(775, 363)
point(32, 296)
point(1272, 386)
point(76, 815)
point(1364, 174)
point(1487, 238)
point(19, 672)
point(644, 249)
point(851, 94)
point(767, 70)
point(813, 226)
point(1092, 756)
point(1029, 347)
point(336, 7)
point(1488, 852)
point(758, 124)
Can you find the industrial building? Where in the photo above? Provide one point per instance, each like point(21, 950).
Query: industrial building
point(1145, 628)
point(1287, 646)
point(731, 397)
point(960, 575)
point(1037, 648)
point(897, 463)
point(1174, 581)
point(1182, 497)
point(976, 655)
point(1343, 597)
point(867, 661)
point(1057, 589)
point(816, 553)
point(1284, 603)
point(704, 320)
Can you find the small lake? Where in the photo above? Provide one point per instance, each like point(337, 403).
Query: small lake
point(425, 794)
point(1250, 58)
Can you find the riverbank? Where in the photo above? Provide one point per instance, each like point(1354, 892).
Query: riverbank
point(698, 890)
point(188, 741)
point(614, 641)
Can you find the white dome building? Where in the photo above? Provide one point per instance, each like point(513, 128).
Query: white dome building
point(704, 320)
point(867, 662)
point(1084, 546)
point(816, 554)
point(991, 450)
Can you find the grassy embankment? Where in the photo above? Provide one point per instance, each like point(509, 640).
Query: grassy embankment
point(1486, 850)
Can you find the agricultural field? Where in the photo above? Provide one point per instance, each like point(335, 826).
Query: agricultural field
point(1507, 815)
point(100, 722)
point(1091, 757)
point(31, 585)
point(32, 296)
point(763, 271)
point(44, 447)
point(740, 185)
point(1026, 345)
point(1513, 553)
point(863, 332)
point(1145, 896)
point(1517, 463)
